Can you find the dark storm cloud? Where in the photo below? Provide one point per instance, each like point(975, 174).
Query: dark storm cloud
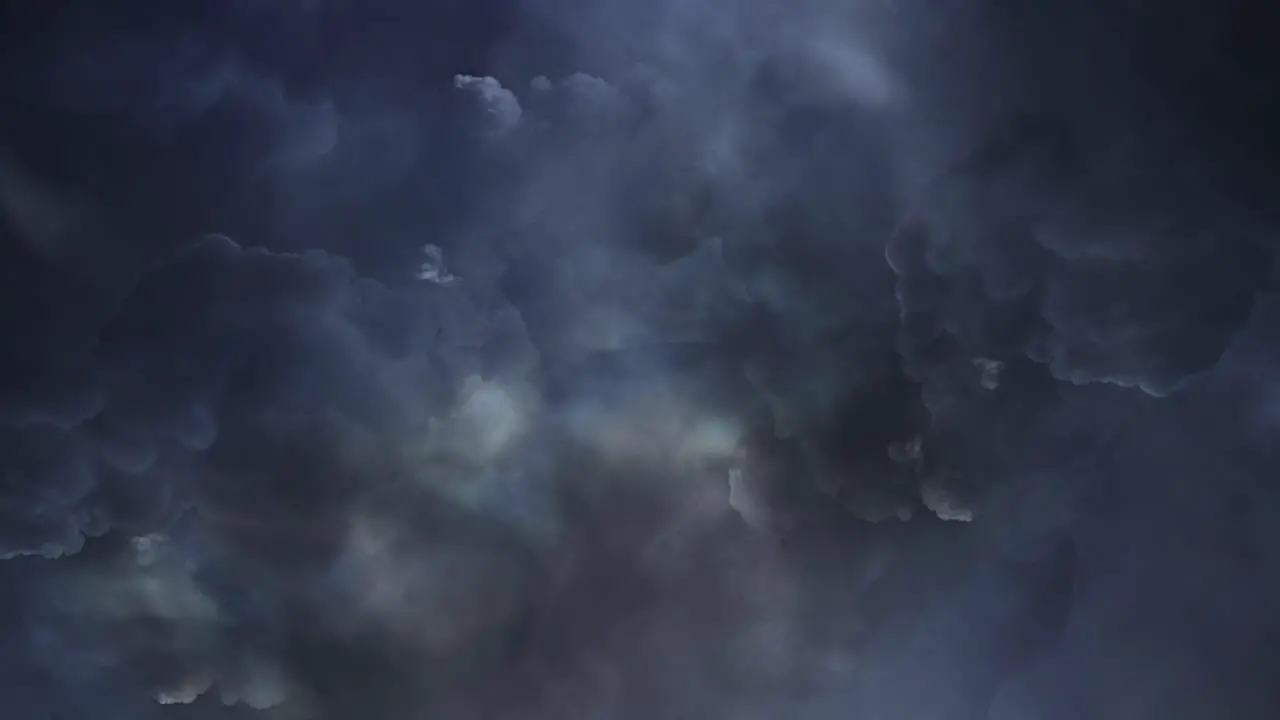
point(599, 360)
point(226, 377)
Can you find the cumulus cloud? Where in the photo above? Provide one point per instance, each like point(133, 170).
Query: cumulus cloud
point(631, 361)
point(500, 104)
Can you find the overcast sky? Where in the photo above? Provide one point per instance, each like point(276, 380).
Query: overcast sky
point(677, 359)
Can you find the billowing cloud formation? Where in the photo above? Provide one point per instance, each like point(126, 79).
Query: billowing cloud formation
point(712, 359)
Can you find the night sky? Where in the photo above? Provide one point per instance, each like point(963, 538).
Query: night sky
point(639, 360)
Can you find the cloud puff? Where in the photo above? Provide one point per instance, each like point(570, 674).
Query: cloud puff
point(500, 104)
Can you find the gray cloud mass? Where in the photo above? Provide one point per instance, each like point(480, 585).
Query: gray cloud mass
point(534, 359)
